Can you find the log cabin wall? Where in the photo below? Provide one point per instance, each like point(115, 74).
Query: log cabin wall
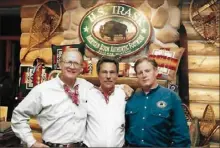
point(203, 65)
point(74, 10)
point(203, 58)
point(203, 62)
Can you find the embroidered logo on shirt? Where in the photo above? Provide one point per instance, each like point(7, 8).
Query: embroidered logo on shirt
point(161, 104)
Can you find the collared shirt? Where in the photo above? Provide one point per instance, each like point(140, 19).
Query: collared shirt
point(60, 119)
point(156, 119)
point(105, 121)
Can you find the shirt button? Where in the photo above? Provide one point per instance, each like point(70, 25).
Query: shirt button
point(146, 97)
point(145, 107)
point(159, 114)
point(143, 118)
point(142, 129)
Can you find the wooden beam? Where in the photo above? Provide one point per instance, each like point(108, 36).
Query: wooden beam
point(183, 68)
point(9, 3)
point(12, 38)
point(8, 56)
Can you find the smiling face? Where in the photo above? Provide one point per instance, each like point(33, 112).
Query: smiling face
point(147, 75)
point(107, 75)
point(71, 65)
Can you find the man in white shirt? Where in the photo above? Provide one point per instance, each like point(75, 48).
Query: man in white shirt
point(60, 116)
point(106, 108)
point(58, 105)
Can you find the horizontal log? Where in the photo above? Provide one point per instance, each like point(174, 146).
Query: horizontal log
point(207, 64)
point(201, 47)
point(192, 34)
point(203, 80)
point(204, 95)
point(185, 12)
point(26, 24)
point(56, 39)
point(197, 109)
point(215, 144)
point(43, 53)
point(28, 11)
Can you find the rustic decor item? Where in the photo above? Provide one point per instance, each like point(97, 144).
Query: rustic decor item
point(32, 75)
point(193, 123)
point(46, 20)
point(168, 61)
point(111, 33)
point(204, 16)
point(201, 130)
point(207, 122)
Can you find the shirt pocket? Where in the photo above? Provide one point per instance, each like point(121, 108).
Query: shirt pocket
point(131, 111)
point(132, 115)
point(160, 118)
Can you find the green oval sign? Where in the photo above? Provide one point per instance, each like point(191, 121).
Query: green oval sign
point(115, 29)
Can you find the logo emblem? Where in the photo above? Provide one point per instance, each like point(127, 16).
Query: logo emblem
point(115, 29)
point(161, 104)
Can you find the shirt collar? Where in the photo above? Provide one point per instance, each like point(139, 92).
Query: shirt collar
point(109, 93)
point(151, 90)
point(61, 83)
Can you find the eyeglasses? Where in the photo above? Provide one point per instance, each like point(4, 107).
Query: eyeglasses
point(70, 63)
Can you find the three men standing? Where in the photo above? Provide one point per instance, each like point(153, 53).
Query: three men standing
point(64, 104)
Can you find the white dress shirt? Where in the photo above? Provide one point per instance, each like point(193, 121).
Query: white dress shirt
point(105, 122)
point(60, 119)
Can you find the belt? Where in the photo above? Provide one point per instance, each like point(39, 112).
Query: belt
point(130, 145)
point(78, 144)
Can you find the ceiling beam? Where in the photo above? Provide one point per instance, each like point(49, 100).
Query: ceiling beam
point(10, 11)
point(9, 3)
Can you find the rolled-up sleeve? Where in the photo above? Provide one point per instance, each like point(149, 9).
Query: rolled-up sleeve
point(30, 106)
point(179, 130)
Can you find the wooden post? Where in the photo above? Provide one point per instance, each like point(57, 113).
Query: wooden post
point(8, 56)
point(183, 68)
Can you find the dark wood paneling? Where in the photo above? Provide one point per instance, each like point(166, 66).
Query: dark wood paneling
point(6, 3)
point(183, 68)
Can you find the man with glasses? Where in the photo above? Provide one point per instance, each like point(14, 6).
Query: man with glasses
point(62, 119)
point(58, 105)
point(106, 108)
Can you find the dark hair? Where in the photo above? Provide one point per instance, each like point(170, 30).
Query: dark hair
point(106, 59)
point(142, 59)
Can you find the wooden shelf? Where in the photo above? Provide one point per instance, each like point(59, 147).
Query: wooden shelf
point(132, 82)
